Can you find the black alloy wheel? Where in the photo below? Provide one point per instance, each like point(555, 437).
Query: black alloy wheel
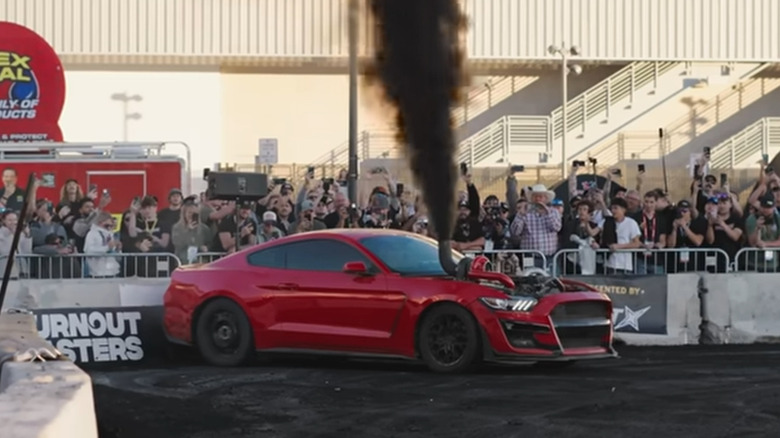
point(449, 340)
point(224, 334)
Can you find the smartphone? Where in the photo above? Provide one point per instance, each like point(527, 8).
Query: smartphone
point(617, 172)
point(593, 160)
point(105, 192)
point(640, 168)
point(577, 163)
point(464, 169)
point(399, 190)
point(696, 172)
point(706, 150)
point(518, 168)
point(310, 170)
point(724, 179)
point(279, 181)
point(765, 157)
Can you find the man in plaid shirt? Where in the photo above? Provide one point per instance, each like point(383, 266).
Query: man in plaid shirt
point(537, 228)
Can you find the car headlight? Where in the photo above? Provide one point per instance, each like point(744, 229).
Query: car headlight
point(515, 304)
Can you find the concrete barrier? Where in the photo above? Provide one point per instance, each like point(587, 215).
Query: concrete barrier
point(40, 399)
point(88, 293)
point(742, 307)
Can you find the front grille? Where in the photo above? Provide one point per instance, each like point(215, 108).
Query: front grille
point(578, 310)
point(580, 337)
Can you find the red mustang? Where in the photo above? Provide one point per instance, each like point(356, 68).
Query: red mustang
point(380, 293)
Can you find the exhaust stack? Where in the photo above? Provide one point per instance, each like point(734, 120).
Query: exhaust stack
point(458, 270)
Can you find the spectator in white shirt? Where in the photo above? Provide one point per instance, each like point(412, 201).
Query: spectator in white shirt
point(620, 232)
point(21, 266)
point(100, 240)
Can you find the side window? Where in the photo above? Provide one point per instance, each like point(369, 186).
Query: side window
point(323, 255)
point(273, 258)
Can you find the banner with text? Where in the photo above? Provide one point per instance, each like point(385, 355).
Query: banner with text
point(104, 335)
point(639, 302)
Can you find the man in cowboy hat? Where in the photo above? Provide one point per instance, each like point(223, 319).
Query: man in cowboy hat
point(537, 229)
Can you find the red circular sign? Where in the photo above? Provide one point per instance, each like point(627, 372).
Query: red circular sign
point(32, 86)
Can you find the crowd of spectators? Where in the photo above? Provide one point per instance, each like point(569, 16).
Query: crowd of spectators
point(593, 227)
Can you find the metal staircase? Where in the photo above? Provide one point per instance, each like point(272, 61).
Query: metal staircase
point(756, 139)
point(604, 98)
point(537, 133)
point(646, 145)
point(481, 98)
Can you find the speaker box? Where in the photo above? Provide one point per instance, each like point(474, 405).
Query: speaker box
point(232, 186)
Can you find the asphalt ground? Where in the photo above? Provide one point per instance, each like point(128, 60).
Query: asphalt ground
point(655, 392)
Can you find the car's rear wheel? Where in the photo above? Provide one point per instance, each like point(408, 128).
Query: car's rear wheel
point(224, 334)
point(449, 339)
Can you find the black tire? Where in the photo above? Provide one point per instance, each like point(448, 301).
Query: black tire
point(223, 334)
point(449, 339)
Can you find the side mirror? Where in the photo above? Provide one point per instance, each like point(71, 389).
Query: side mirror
point(357, 268)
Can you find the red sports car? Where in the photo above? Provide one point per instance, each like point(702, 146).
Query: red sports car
point(381, 293)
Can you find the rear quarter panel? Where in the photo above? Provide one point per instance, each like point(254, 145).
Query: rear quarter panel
point(191, 287)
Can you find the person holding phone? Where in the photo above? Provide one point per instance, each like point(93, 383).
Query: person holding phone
point(240, 227)
point(189, 235)
point(723, 228)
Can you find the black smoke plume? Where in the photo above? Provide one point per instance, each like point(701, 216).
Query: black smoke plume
point(419, 65)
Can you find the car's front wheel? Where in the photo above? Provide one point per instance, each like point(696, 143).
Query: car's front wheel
point(224, 334)
point(449, 339)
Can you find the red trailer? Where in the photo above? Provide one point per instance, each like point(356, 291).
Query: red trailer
point(125, 169)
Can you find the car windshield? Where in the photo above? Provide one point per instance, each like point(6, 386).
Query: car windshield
point(408, 255)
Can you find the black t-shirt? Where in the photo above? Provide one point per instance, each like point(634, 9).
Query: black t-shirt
point(228, 225)
point(652, 228)
point(15, 201)
point(467, 230)
point(697, 226)
point(169, 217)
point(155, 228)
point(722, 240)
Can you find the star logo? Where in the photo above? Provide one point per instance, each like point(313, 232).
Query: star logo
point(630, 317)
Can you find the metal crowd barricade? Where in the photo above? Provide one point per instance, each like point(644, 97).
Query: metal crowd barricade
point(512, 261)
point(640, 261)
point(111, 265)
point(756, 260)
point(208, 257)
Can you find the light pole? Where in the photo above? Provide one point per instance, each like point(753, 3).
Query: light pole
point(126, 115)
point(565, 70)
point(352, 172)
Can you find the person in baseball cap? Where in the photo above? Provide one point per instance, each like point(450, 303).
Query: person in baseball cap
point(269, 231)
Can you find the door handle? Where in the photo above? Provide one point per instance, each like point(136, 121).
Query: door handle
point(287, 286)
